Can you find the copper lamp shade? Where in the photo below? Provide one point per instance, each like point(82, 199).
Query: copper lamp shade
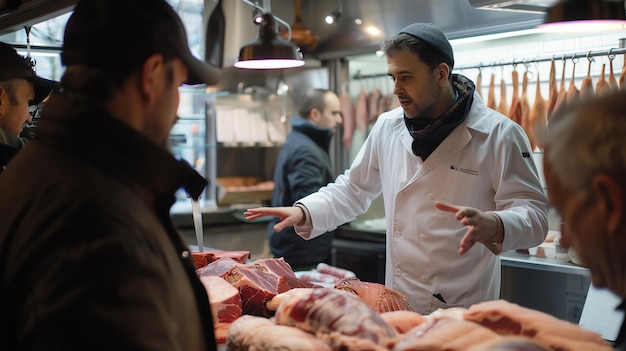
point(269, 51)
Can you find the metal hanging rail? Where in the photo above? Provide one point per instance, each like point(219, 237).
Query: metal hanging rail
point(588, 55)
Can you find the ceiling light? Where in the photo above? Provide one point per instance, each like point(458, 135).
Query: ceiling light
point(585, 15)
point(334, 16)
point(257, 16)
point(269, 51)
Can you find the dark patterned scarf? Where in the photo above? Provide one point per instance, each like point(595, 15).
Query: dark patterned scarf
point(429, 133)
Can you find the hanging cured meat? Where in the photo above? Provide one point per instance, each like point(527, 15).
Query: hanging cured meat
point(503, 108)
point(515, 112)
point(622, 76)
point(373, 100)
point(360, 111)
point(538, 117)
point(602, 85)
point(561, 98)
point(347, 112)
point(572, 91)
point(586, 87)
point(491, 96)
point(612, 80)
point(524, 104)
point(553, 90)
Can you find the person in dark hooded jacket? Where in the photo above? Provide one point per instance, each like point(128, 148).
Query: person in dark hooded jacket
point(302, 167)
point(89, 257)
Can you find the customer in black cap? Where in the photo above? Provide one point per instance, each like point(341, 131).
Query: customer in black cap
point(20, 88)
point(452, 173)
point(89, 259)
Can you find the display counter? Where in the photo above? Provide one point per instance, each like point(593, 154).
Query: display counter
point(553, 286)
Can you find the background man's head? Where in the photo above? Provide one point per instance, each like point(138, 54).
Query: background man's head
point(20, 87)
point(321, 107)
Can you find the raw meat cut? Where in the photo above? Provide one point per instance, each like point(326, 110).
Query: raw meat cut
point(273, 304)
point(257, 282)
point(379, 297)
point(444, 334)
point(336, 271)
point(225, 305)
point(255, 286)
point(260, 334)
point(403, 321)
point(325, 310)
point(278, 267)
point(510, 343)
point(507, 318)
point(202, 259)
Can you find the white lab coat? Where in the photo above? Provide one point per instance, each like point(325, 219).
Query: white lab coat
point(484, 163)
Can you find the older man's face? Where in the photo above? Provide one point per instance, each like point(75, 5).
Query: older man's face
point(13, 116)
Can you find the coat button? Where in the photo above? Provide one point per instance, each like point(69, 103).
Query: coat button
point(184, 254)
point(397, 271)
point(397, 234)
point(430, 196)
point(424, 279)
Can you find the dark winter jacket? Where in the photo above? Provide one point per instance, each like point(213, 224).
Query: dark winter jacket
point(89, 259)
point(302, 167)
point(9, 146)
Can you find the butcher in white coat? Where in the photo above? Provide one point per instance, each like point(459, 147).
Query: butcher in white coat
point(458, 181)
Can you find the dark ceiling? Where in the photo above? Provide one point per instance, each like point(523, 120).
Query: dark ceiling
point(457, 18)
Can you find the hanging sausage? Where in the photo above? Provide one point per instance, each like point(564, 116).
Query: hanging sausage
point(602, 85)
point(586, 87)
point(612, 80)
point(572, 91)
point(491, 97)
point(524, 104)
point(553, 90)
point(515, 112)
point(503, 108)
point(538, 117)
point(347, 112)
point(562, 96)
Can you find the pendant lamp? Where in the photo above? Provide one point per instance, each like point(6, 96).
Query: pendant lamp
point(269, 51)
point(585, 15)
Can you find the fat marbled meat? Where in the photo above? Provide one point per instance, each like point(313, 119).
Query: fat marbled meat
point(324, 311)
point(257, 282)
point(225, 305)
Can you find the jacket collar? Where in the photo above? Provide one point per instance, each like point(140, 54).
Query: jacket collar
point(80, 127)
point(320, 136)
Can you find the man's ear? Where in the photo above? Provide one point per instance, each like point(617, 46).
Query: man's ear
point(442, 73)
point(315, 114)
point(150, 77)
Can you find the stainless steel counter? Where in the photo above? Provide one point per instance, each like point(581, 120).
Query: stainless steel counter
point(521, 260)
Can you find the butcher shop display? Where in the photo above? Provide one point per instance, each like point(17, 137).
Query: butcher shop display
point(265, 305)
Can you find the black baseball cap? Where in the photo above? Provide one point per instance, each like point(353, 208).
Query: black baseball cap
point(15, 66)
point(110, 33)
